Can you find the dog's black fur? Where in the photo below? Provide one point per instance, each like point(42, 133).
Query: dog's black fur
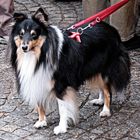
point(101, 52)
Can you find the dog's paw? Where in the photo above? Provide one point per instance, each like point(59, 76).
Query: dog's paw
point(40, 124)
point(105, 113)
point(59, 129)
point(97, 102)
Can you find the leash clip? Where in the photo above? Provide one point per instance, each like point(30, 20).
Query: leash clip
point(71, 27)
point(98, 19)
point(80, 30)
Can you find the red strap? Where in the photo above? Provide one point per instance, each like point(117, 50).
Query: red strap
point(75, 36)
point(101, 15)
point(95, 19)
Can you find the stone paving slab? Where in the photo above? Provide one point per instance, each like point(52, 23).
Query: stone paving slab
point(17, 118)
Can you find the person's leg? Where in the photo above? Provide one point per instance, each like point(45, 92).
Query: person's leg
point(8, 5)
point(125, 19)
point(6, 10)
point(91, 7)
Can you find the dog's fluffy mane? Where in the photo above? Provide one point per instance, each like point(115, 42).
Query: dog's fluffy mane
point(75, 57)
point(61, 62)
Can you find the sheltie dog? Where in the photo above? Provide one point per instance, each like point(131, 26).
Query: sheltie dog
point(50, 66)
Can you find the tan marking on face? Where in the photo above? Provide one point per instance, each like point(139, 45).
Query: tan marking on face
point(36, 45)
point(18, 41)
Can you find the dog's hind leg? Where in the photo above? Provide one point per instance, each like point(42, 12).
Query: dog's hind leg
point(68, 110)
point(104, 95)
point(97, 82)
point(106, 107)
point(42, 118)
point(100, 100)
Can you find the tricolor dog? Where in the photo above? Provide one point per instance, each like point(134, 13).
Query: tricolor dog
point(51, 67)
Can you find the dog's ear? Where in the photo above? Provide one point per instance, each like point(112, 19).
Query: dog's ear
point(18, 17)
point(41, 15)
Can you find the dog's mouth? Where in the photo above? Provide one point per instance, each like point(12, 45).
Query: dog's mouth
point(28, 50)
point(25, 51)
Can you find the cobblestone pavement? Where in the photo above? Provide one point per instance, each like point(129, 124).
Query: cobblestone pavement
point(17, 118)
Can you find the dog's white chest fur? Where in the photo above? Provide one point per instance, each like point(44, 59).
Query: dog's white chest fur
point(34, 86)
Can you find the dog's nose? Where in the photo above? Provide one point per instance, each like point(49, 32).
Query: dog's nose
point(24, 48)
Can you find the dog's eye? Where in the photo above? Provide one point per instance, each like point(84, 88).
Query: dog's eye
point(21, 33)
point(33, 33)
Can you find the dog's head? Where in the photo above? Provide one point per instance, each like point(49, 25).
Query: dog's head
point(29, 33)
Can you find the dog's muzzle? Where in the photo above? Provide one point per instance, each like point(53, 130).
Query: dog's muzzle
point(24, 48)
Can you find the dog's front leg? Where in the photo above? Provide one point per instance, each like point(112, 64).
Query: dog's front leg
point(42, 118)
point(62, 127)
point(68, 110)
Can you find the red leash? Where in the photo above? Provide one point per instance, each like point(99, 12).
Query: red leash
point(95, 19)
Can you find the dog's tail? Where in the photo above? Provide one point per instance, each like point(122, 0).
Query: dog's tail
point(133, 43)
point(119, 71)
